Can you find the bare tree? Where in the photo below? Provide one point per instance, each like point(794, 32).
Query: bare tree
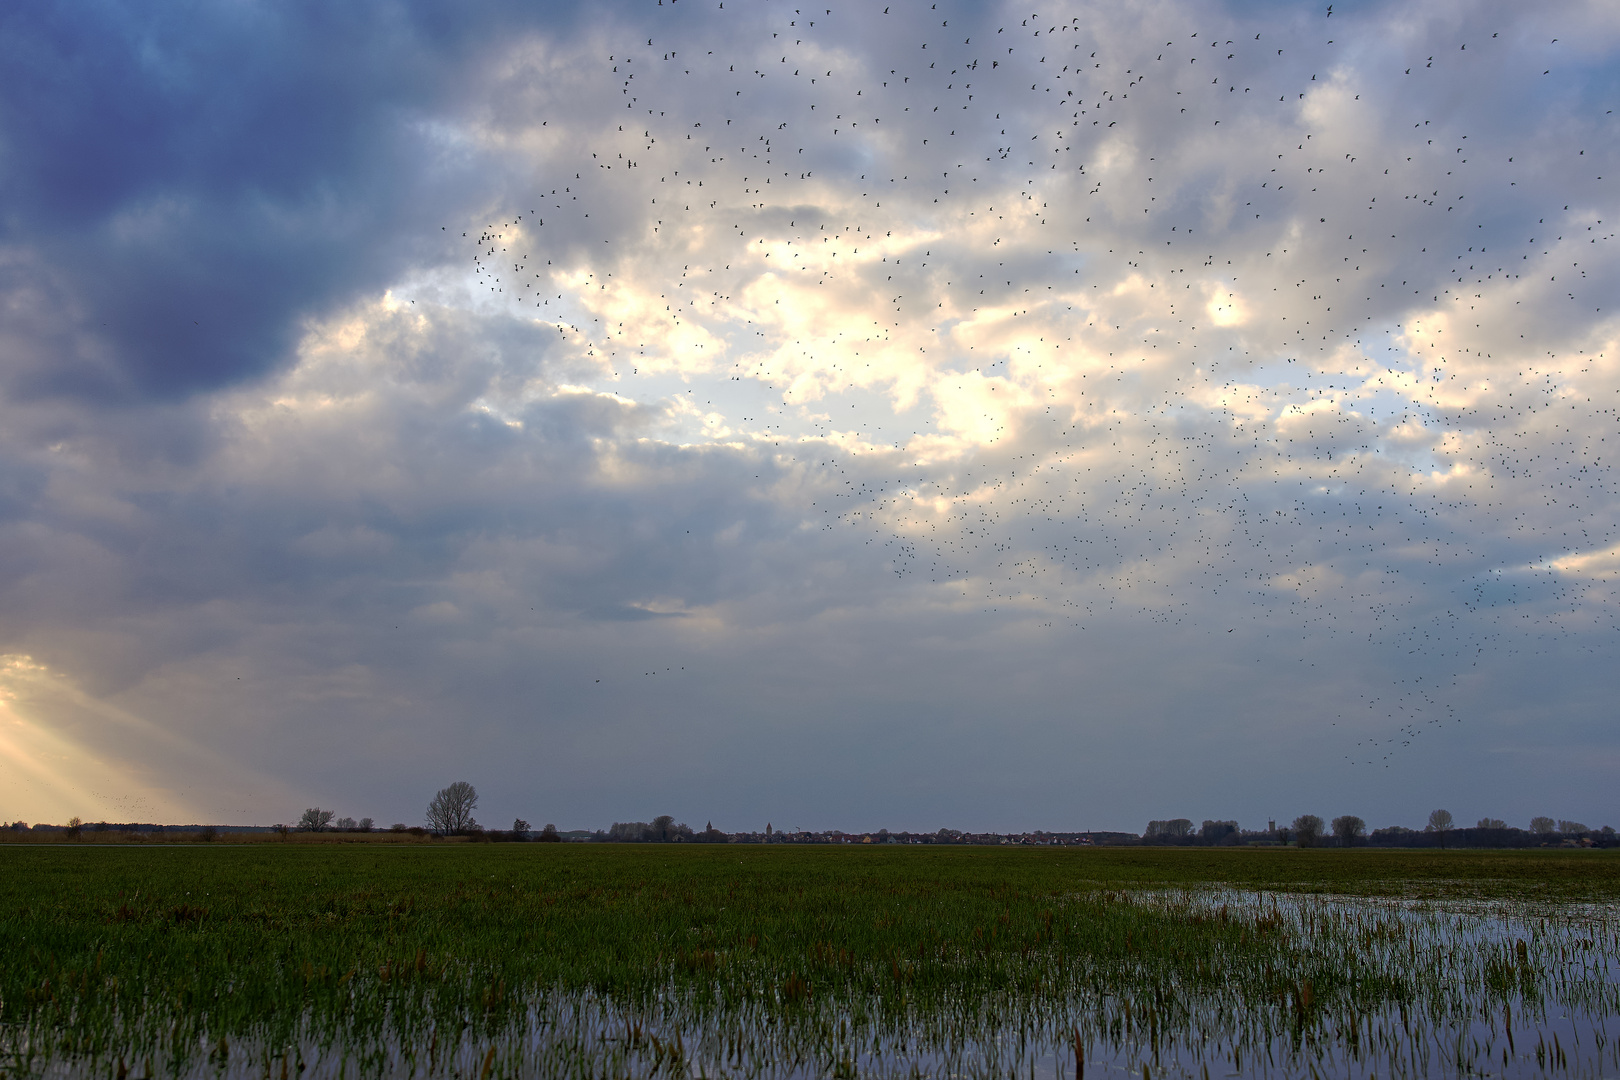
point(315, 819)
point(1491, 823)
point(1571, 828)
point(1172, 830)
point(451, 809)
point(662, 830)
point(1347, 828)
point(366, 824)
point(345, 824)
point(1307, 829)
point(1542, 826)
point(1439, 823)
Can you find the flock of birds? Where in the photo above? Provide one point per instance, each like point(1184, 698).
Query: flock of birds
point(1078, 320)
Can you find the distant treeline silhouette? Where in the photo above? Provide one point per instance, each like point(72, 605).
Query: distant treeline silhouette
point(661, 830)
point(1307, 830)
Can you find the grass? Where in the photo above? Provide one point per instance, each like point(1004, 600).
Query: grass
point(605, 959)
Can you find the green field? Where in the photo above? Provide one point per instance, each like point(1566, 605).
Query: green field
point(763, 960)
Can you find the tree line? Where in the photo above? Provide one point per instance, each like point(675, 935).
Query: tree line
point(1348, 830)
point(450, 813)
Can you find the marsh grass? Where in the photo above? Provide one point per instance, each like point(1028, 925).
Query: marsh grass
point(582, 960)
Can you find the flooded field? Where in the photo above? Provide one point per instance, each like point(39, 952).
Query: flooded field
point(645, 962)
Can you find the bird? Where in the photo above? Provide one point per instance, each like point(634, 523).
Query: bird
point(1073, 385)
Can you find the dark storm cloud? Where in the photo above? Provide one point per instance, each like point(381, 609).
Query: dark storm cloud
point(183, 184)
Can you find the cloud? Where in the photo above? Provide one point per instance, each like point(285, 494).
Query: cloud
point(953, 416)
point(186, 188)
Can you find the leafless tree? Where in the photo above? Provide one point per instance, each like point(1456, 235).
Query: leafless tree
point(451, 809)
point(1174, 829)
point(662, 830)
point(1307, 829)
point(315, 819)
point(1440, 822)
point(1542, 826)
point(1347, 828)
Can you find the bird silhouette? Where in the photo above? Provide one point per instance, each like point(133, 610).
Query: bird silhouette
point(1074, 319)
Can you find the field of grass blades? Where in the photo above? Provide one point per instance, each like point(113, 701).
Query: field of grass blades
point(604, 961)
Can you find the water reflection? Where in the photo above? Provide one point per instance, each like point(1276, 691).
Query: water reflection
point(1302, 986)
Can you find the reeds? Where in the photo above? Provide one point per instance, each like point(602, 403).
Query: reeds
point(567, 961)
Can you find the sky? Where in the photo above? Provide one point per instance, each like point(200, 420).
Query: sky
point(905, 415)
